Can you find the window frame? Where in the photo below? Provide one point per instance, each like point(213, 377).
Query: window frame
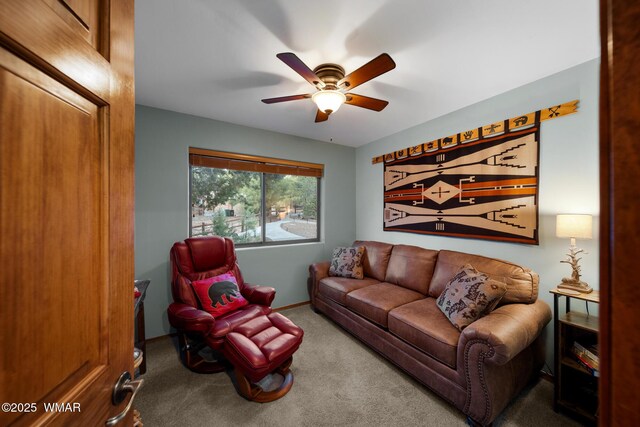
point(199, 157)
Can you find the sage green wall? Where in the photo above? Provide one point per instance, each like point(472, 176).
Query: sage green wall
point(162, 203)
point(569, 176)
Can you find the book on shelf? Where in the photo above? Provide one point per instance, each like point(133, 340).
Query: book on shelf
point(594, 349)
point(587, 357)
point(585, 364)
point(589, 353)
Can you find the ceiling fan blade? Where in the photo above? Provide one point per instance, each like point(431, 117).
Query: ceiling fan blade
point(368, 71)
point(321, 116)
point(374, 104)
point(301, 68)
point(286, 98)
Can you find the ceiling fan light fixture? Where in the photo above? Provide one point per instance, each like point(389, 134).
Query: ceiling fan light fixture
point(328, 101)
point(333, 86)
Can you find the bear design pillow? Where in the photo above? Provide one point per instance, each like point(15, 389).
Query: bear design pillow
point(220, 294)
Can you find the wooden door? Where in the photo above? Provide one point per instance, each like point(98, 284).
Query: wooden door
point(619, 212)
point(66, 208)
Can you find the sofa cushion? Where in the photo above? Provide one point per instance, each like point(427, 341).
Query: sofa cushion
point(347, 262)
point(422, 324)
point(469, 296)
point(337, 288)
point(411, 267)
point(374, 302)
point(376, 258)
point(522, 283)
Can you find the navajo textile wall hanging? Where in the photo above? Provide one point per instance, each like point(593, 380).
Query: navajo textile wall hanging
point(482, 183)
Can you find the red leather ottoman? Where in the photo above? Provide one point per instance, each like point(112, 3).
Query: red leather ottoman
point(259, 347)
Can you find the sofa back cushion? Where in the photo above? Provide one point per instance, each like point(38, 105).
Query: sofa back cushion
point(522, 283)
point(376, 258)
point(411, 267)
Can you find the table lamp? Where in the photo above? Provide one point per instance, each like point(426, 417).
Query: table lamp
point(575, 227)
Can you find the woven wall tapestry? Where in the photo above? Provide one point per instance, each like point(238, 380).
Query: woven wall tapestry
point(485, 189)
point(482, 183)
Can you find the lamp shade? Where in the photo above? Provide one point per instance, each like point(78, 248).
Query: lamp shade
point(577, 226)
point(328, 101)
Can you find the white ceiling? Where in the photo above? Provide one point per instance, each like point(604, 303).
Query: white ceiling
point(217, 58)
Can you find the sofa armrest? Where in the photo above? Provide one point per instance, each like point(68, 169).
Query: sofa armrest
point(509, 329)
point(189, 319)
point(317, 272)
point(262, 295)
point(498, 355)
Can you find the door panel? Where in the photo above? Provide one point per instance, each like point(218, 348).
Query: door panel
point(66, 209)
point(81, 15)
point(32, 28)
point(52, 236)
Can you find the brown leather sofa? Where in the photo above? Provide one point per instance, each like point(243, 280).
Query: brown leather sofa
point(393, 310)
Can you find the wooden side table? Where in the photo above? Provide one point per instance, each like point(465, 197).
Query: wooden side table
point(140, 341)
point(575, 386)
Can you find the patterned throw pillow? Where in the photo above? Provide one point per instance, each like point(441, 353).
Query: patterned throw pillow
point(469, 296)
point(347, 262)
point(220, 294)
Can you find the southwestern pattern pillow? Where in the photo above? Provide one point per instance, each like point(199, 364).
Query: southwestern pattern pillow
point(220, 294)
point(469, 295)
point(347, 262)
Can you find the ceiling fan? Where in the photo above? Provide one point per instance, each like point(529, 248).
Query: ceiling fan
point(333, 85)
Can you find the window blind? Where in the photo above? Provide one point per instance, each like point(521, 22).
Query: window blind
point(249, 163)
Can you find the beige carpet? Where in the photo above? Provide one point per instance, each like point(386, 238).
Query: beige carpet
point(337, 382)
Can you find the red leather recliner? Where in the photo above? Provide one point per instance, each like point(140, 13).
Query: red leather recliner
point(198, 258)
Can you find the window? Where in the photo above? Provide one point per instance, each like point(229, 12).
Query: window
point(253, 200)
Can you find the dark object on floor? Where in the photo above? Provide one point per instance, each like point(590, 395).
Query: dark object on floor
point(138, 309)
